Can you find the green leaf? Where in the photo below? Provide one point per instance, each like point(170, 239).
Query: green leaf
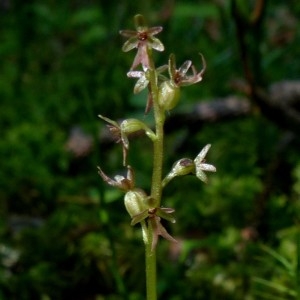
point(276, 286)
point(279, 258)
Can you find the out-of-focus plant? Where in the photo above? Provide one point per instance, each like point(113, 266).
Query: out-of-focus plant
point(163, 95)
point(285, 281)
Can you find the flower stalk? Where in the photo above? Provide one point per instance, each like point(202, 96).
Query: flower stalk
point(163, 96)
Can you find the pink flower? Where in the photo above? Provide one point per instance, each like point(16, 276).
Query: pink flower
point(143, 39)
point(179, 77)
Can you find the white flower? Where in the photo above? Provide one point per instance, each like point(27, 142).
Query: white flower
point(201, 166)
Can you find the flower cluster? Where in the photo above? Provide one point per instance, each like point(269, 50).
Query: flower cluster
point(163, 95)
point(143, 39)
point(139, 205)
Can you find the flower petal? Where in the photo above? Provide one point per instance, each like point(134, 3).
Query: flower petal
point(128, 33)
point(139, 217)
point(155, 44)
point(130, 44)
point(201, 175)
point(161, 230)
point(172, 66)
point(154, 30)
point(165, 214)
point(167, 210)
point(185, 67)
point(112, 122)
point(135, 74)
point(140, 85)
point(110, 181)
point(208, 168)
point(202, 154)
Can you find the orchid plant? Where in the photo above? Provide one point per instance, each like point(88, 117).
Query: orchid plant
point(163, 95)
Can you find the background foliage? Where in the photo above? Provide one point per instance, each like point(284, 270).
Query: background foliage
point(63, 234)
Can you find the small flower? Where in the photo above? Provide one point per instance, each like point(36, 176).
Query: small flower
point(186, 166)
point(143, 78)
point(179, 76)
point(143, 82)
point(169, 90)
point(119, 181)
point(181, 167)
point(154, 216)
point(201, 166)
point(142, 39)
point(126, 127)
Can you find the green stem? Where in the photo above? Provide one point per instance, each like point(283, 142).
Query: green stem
point(158, 144)
point(156, 185)
point(150, 256)
point(156, 188)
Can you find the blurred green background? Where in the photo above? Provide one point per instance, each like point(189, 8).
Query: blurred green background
point(63, 233)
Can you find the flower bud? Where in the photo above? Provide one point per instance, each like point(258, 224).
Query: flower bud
point(168, 95)
point(135, 202)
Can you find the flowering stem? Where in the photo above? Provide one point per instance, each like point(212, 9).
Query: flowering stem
point(156, 185)
point(159, 116)
point(163, 96)
point(156, 188)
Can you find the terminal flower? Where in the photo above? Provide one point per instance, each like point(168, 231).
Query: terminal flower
point(142, 38)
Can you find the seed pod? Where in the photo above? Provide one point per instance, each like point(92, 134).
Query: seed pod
point(168, 95)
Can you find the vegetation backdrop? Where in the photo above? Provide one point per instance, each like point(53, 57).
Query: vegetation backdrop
point(64, 235)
